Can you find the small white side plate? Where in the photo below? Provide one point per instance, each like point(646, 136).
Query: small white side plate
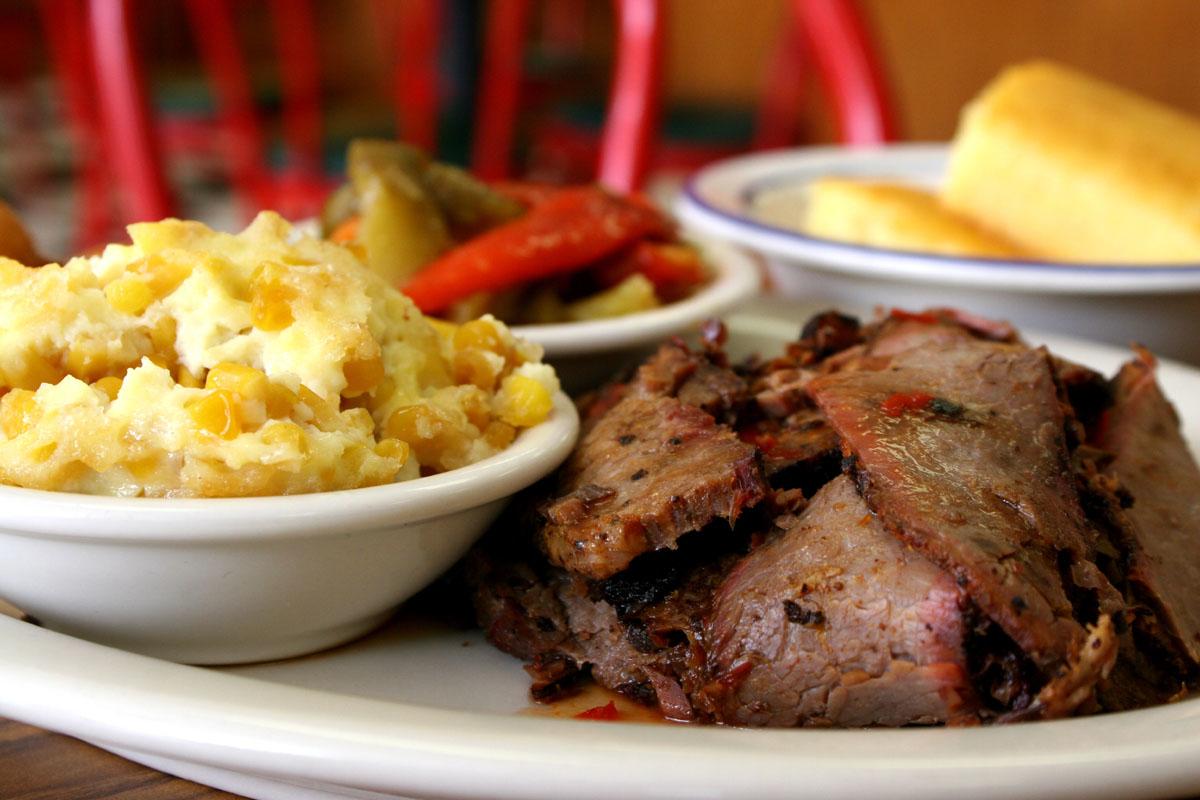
point(720, 201)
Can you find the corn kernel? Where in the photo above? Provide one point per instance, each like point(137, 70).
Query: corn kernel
point(393, 448)
point(86, 361)
point(477, 405)
point(426, 431)
point(163, 276)
point(143, 469)
point(324, 412)
point(413, 423)
point(499, 434)
point(270, 298)
point(216, 412)
point(159, 360)
point(162, 335)
point(19, 412)
point(479, 333)
point(385, 389)
point(129, 295)
point(280, 401)
point(110, 386)
point(39, 370)
point(523, 402)
point(247, 382)
point(362, 375)
point(360, 420)
point(443, 328)
point(188, 379)
point(43, 453)
point(288, 434)
point(477, 367)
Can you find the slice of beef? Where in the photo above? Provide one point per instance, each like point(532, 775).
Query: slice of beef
point(700, 379)
point(959, 447)
point(978, 326)
point(780, 391)
point(1155, 467)
point(649, 471)
point(652, 652)
point(638, 634)
point(835, 622)
point(1086, 390)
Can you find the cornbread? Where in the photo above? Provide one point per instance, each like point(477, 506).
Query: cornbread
point(1079, 170)
point(897, 217)
point(197, 363)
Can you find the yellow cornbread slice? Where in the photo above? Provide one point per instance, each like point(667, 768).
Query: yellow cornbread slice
point(1079, 170)
point(897, 217)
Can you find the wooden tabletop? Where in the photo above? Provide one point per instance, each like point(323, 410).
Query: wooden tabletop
point(38, 765)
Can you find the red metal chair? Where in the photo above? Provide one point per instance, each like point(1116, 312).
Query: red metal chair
point(830, 32)
point(835, 35)
point(65, 28)
point(633, 103)
point(132, 135)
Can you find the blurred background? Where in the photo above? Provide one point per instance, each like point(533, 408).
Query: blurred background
point(418, 68)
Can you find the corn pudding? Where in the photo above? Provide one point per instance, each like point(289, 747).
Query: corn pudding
point(204, 364)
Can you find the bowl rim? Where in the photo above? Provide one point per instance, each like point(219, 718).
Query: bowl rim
point(737, 277)
point(537, 451)
point(731, 220)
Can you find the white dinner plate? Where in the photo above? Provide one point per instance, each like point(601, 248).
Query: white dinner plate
point(720, 201)
point(422, 710)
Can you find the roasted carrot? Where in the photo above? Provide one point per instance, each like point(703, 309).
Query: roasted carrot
point(574, 228)
point(346, 231)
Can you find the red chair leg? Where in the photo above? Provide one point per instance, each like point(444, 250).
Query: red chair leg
point(297, 43)
point(499, 86)
point(229, 80)
point(633, 108)
point(129, 135)
point(65, 27)
point(849, 69)
point(783, 92)
point(416, 72)
point(563, 29)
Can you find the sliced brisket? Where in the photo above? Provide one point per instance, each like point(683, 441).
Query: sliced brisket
point(1013, 538)
point(1155, 466)
point(650, 470)
point(835, 622)
point(959, 448)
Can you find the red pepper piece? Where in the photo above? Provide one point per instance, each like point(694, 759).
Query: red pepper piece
point(527, 193)
point(904, 402)
point(673, 268)
point(571, 230)
point(606, 712)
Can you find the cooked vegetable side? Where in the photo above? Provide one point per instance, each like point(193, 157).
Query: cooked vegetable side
point(525, 253)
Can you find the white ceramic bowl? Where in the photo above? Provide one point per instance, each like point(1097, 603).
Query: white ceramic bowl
point(208, 581)
point(1157, 305)
point(586, 353)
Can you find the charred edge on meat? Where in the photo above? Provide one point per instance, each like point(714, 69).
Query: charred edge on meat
point(652, 576)
point(555, 676)
point(1003, 677)
point(828, 333)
